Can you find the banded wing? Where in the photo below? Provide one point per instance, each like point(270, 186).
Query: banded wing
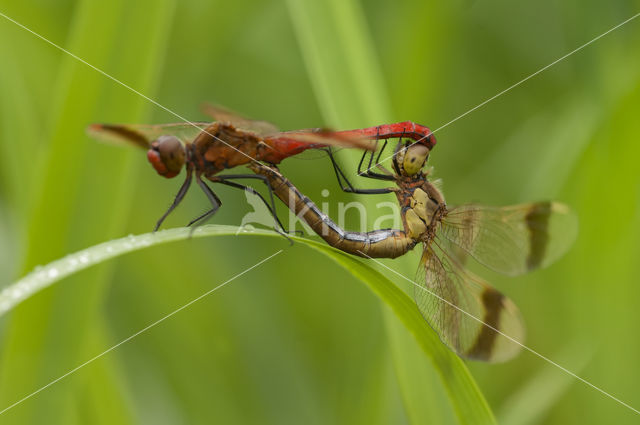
point(469, 315)
point(515, 239)
point(143, 135)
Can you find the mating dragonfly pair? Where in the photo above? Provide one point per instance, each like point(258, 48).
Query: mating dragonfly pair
point(470, 316)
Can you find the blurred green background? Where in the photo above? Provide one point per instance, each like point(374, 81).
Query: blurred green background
point(298, 340)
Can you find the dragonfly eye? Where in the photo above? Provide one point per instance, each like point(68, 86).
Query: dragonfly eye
point(167, 156)
point(414, 159)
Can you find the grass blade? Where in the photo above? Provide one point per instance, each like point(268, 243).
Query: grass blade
point(344, 71)
point(126, 40)
point(450, 366)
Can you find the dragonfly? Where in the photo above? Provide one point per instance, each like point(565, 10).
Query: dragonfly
point(205, 149)
point(470, 316)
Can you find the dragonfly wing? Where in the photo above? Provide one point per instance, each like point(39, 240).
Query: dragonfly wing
point(221, 114)
point(143, 135)
point(325, 137)
point(515, 239)
point(471, 317)
point(265, 129)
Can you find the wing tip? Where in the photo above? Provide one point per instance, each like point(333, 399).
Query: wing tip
point(111, 133)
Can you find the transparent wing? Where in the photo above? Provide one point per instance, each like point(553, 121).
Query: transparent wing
point(221, 114)
point(470, 316)
point(142, 135)
point(319, 136)
point(323, 137)
point(515, 239)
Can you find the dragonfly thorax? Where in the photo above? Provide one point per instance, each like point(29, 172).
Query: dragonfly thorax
point(425, 208)
point(167, 156)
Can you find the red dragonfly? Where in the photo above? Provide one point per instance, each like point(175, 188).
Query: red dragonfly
point(205, 149)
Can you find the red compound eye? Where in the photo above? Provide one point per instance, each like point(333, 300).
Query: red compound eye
point(167, 156)
point(154, 158)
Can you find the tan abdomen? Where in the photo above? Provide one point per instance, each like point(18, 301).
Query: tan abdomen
point(385, 243)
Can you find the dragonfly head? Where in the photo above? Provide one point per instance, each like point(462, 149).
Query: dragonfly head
point(167, 155)
point(410, 158)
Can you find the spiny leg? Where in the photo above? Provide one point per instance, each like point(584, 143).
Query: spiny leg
point(370, 174)
point(279, 227)
point(200, 217)
point(346, 186)
point(177, 199)
point(272, 208)
point(224, 180)
point(384, 145)
point(213, 198)
point(372, 153)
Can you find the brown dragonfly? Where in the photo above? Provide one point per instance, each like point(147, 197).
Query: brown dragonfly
point(470, 316)
point(205, 149)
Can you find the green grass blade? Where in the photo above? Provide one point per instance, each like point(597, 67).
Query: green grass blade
point(127, 41)
point(57, 270)
point(463, 392)
point(344, 71)
point(403, 307)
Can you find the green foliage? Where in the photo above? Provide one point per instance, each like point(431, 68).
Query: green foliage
point(335, 36)
point(463, 391)
point(299, 341)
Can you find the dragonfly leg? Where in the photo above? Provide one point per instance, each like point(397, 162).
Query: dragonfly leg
point(271, 206)
point(370, 174)
point(177, 199)
point(198, 218)
point(384, 145)
point(213, 198)
point(346, 185)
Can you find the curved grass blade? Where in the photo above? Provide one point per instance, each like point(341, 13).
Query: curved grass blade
point(463, 391)
point(44, 276)
point(334, 36)
point(73, 179)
